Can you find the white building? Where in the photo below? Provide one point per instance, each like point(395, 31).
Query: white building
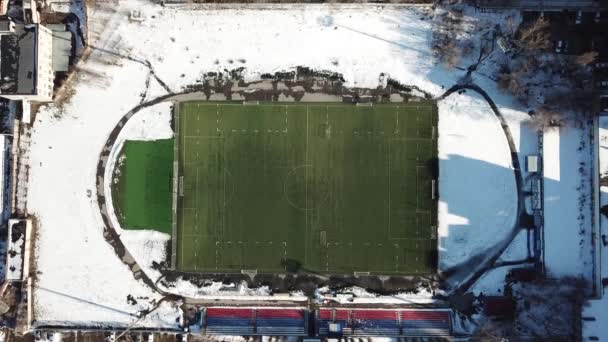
point(595, 311)
point(26, 71)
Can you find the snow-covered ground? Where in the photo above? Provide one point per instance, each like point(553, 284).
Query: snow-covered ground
point(358, 42)
point(146, 246)
point(82, 281)
point(477, 192)
point(357, 295)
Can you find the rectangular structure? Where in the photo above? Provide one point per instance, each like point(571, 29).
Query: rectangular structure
point(532, 163)
point(329, 188)
point(338, 322)
point(565, 225)
point(26, 67)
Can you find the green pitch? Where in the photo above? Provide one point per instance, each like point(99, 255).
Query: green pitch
point(142, 193)
point(328, 188)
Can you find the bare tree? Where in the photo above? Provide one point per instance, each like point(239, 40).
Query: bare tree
point(548, 309)
point(515, 81)
point(586, 58)
point(535, 36)
point(450, 44)
point(448, 52)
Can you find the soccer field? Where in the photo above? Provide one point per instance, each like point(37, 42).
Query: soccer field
point(328, 188)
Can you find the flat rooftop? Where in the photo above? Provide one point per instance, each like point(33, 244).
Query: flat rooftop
point(17, 61)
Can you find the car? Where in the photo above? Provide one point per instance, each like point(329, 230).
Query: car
point(604, 103)
point(579, 17)
point(601, 65)
point(596, 19)
point(559, 46)
point(504, 45)
point(602, 84)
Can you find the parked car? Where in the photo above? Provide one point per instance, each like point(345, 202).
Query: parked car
point(579, 17)
point(602, 84)
point(601, 65)
point(604, 103)
point(559, 46)
point(504, 45)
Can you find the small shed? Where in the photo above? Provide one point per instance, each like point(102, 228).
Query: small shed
point(532, 164)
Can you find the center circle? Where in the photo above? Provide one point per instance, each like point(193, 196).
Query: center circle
point(306, 187)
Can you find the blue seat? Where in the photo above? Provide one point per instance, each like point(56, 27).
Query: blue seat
point(279, 322)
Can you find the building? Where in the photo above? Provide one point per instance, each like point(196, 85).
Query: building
point(26, 71)
point(542, 5)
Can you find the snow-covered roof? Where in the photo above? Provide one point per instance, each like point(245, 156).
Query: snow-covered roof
point(603, 171)
point(594, 318)
point(563, 213)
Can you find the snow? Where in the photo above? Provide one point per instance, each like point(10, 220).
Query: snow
point(548, 309)
point(518, 249)
point(603, 171)
point(150, 123)
point(567, 224)
point(594, 320)
point(80, 278)
point(219, 291)
point(525, 136)
point(477, 193)
point(492, 282)
point(266, 39)
point(358, 295)
point(147, 247)
point(82, 281)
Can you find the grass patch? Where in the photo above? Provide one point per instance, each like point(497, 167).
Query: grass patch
point(328, 188)
point(143, 185)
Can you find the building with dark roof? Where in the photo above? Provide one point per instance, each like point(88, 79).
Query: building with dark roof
point(26, 71)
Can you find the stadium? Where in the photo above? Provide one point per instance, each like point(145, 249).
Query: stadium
point(306, 170)
point(270, 187)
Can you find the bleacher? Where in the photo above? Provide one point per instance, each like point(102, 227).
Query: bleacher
point(255, 321)
point(340, 317)
point(383, 322)
point(376, 322)
point(229, 321)
point(333, 322)
point(426, 322)
point(288, 322)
